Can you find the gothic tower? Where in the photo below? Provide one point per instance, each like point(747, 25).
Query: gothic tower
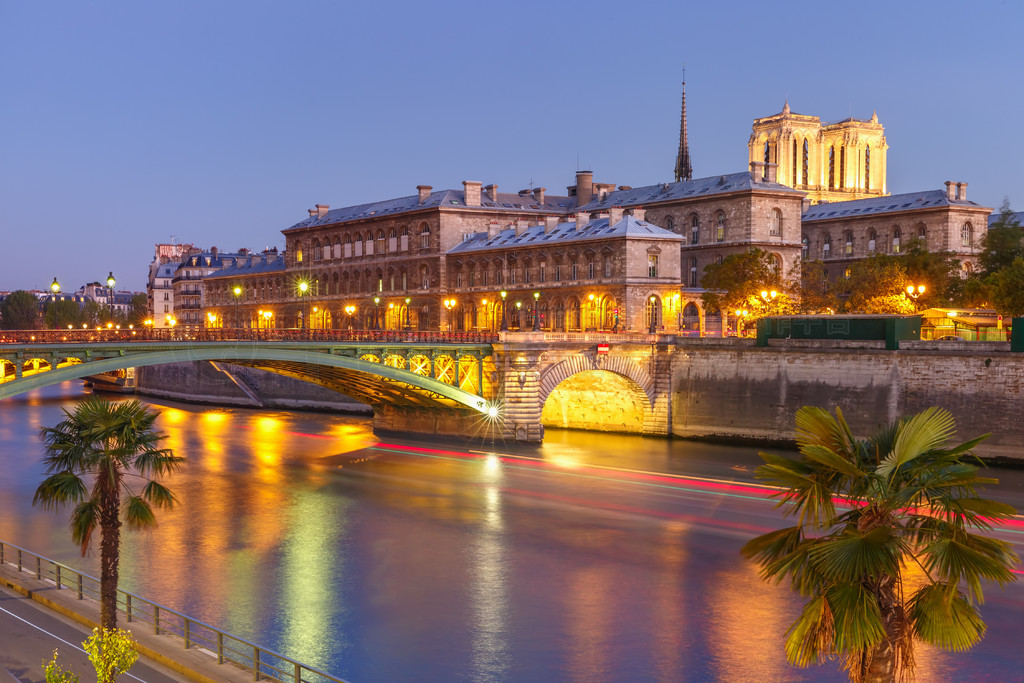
point(683, 169)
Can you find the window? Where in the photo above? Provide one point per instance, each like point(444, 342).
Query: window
point(767, 157)
point(590, 270)
point(867, 167)
point(543, 272)
point(831, 168)
point(393, 241)
point(348, 246)
point(848, 272)
point(318, 251)
point(694, 229)
point(298, 255)
point(368, 244)
point(472, 277)
point(693, 271)
point(842, 167)
point(652, 265)
point(775, 222)
point(967, 235)
point(167, 308)
point(425, 236)
point(804, 247)
point(670, 224)
point(607, 266)
point(404, 242)
point(458, 278)
point(720, 228)
point(793, 179)
point(380, 249)
point(826, 245)
point(897, 234)
point(848, 246)
point(424, 278)
point(167, 296)
point(806, 156)
point(498, 275)
point(575, 272)
point(558, 272)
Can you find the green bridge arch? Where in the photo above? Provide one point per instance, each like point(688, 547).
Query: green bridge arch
point(371, 383)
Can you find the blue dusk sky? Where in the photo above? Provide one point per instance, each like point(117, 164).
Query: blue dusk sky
point(129, 123)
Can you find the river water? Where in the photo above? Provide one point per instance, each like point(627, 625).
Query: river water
point(594, 558)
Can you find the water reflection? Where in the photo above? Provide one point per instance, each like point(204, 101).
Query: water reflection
point(412, 561)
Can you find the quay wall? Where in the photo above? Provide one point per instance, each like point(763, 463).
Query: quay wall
point(746, 392)
point(225, 384)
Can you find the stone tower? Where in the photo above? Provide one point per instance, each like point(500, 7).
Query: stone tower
point(831, 162)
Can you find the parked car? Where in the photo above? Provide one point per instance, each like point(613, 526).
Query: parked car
point(951, 337)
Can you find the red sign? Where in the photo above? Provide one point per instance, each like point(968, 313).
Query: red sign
point(602, 348)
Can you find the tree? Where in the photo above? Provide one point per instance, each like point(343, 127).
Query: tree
point(938, 271)
point(19, 311)
point(909, 507)
point(1001, 245)
point(878, 285)
point(816, 291)
point(139, 310)
point(111, 444)
point(1006, 289)
point(739, 279)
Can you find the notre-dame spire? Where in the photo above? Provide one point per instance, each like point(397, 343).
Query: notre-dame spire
point(683, 169)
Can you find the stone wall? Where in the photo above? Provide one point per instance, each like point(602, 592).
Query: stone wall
point(225, 384)
point(750, 392)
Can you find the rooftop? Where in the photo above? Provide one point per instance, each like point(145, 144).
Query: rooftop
point(563, 233)
point(699, 187)
point(929, 199)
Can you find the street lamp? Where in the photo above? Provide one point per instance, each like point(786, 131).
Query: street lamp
point(110, 291)
point(519, 320)
point(504, 320)
point(768, 297)
point(450, 304)
point(238, 295)
point(55, 288)
point(536, 318)
point(350, 309)
point(914, 292)
point(654, 316)
point(679, 313)
point(303, 288)
point(407, 302)
point(741, 313)
point(376, 312)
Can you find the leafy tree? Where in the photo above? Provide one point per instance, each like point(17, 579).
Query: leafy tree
point(871, 513)
point(139, 310)
point(55, 673)
point(816, 291)
point(737, 282)
point(938, 271)
point(19, 311)
point(91, 312)
point(109, 445)
point(878, 285)
point(1001, 245)
point(1006, 289)
point(61, 314)
point(111, 652)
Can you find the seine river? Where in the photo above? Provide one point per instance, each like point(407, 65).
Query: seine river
point(593, 558)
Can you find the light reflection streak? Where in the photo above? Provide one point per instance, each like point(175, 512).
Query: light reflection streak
point(489, 599)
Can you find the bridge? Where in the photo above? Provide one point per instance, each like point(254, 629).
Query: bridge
point(487, 385)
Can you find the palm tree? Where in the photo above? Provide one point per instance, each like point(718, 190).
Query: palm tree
point(871, 514)
point(112, 444)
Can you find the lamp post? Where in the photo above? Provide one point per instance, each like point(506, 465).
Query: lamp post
point(654, 316)
point(55, 288)
point(110, 292)
point(504, 320)
point(519, 320)
point(238, 295)
point(303, 288)
point(914, 292)
point(376, 312)
point(768, 297)
point(267, 315)
point(593, 313)
point(679, 313)
point(536, 317)
point(350, 309)
point(450, 304)
point(407, 323)
point(741, 313)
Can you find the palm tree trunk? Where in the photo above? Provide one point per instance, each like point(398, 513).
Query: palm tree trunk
point(110, 539)
point(879, 662)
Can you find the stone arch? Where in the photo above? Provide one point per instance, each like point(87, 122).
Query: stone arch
point(554, 375)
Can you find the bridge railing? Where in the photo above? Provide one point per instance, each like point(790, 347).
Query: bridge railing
point(289, 335)
point(261, 662)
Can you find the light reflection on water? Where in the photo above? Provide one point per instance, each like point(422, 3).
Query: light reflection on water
point(299, 532)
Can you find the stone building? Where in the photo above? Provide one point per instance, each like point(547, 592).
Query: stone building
point(831, 162)
point(188, 285)
point(944, 220)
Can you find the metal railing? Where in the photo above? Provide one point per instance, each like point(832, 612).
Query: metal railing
point(178, 334)
point(262, 663)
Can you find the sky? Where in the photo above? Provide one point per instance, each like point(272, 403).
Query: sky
point(219, 122)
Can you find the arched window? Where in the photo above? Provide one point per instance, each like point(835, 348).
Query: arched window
point(694, 229)
point(842, 167)
point(337, 247)
point(720, 227)
point(652, 313)
point(368, 244)
point(848, 244)
point(826, 246)
point(607, 266)
point(381, 248)
point(775, 222)
point(897, 236)
point(318, 252)
point(424, 236)
point(922, 234)
point(358, 243)
point(867, 167)
point(967, 235)
point(424, 277)
point(693, 271)
point(347, 252)
point(804, 247)
point(806, 158)
point(392, 241)
point(404, 240)
point(831, 168)
point(670, 224)
point(794, 179)
point(872, 239)
point(767, 157)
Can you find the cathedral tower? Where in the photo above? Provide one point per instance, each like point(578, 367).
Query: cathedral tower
point(683, 169)
point(832, 162)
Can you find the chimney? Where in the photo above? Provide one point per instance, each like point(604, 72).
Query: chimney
point(213, 250)
point(550, 223)
point(312, 212)
point(639, 213)
point(321, 210)
point(949, 190)
point(772, 169)
point(493, 228)
point(584, 187)
point(424, 191)
point(757, 171)
point(492, 192)
point(582, 218)
point(472, 191)
point(521, 224)
point(614, 215)
point(961, 191)
point(538, 193)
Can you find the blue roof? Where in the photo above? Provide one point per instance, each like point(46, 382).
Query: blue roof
point(929, 199)
point(565, 232)
point(995, 215)
point(265, 263)
point(686, 189)
point(506, 201)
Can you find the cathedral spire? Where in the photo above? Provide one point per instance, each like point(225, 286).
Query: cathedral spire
point(683, 169)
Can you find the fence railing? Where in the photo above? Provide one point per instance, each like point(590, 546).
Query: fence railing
point(179, 334)
point(262, 663)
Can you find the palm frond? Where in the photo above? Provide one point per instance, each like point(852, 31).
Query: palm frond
point(858, 619)
point(157, 462)
point(851, 556)
point(926, 431)
point(57, 490)
point(811, 635)
point(84, 520)
point(138, 514)
point(159, 495)
point(970, 558)
point(942, 616)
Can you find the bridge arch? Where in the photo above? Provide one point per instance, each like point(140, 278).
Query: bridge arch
point(604, 393)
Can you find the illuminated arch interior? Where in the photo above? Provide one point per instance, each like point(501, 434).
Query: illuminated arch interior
point(597, 400)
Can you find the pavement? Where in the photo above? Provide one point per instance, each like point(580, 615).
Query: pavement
point(36, 619)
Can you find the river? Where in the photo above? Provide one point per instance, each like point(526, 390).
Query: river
point(593, 558)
